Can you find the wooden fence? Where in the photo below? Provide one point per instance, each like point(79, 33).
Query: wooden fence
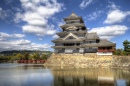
point(31, 61)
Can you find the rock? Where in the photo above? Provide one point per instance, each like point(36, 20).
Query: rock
point(78, 61)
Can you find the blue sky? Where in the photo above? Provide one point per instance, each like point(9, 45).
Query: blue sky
point(32, 24)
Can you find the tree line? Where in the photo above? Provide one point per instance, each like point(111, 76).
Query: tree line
point(125, 51)
point(8, 57)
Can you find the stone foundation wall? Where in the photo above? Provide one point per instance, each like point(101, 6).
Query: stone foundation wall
point(79, 61)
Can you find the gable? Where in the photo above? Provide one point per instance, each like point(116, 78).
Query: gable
point(72, 28)
point(70, 36)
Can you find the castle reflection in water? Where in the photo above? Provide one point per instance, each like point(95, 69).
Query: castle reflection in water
point(91, 77)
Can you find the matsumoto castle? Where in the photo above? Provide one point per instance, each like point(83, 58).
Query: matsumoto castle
point(74, 38)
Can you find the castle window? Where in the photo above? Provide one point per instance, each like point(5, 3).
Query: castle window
point(71, 37)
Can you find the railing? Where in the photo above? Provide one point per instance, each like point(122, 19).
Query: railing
point(31, 61)
point(110, 50)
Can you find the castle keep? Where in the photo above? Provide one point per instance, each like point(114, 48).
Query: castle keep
point(75, 38)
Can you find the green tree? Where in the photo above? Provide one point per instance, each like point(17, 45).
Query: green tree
point(44, 57)
point(126, 45)
point(4, 59)
point(19, 56)
point(36, 56)
point(31, 57)
point(118, 52)
point(26, 56)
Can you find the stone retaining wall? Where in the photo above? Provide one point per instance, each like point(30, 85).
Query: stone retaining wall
point(83, 61)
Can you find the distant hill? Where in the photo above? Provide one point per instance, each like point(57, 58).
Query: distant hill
point(22, 51)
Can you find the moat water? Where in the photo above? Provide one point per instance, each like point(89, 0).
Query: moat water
point(12, 74)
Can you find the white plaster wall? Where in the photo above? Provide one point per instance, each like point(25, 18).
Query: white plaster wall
point(102, 53)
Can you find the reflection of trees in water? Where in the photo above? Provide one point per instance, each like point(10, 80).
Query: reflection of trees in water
point(80, 81)
point(74, 81)
point(90, 73)
point(89, 77)
point(121, 74)
point(128, 83)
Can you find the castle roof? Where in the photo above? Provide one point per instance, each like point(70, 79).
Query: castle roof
point(73, 16)
point(89, 36)
point(102, 43)
point(75, 24)
point(67, 41)
point(92, 36)
point(106, 42)
point(75, 32)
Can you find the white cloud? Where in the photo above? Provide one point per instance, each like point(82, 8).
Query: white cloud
point(33, 29)
point(3, 14)
point(116, 16)
point(50, 32)
point(40, 46)
point(112, 6)
point(55, 36)
point(18, 35)
point(60, 23)
point(9, 1)
point(40, 39)
point(39, 31)
point(24, 1)
point(37, 22)
point(36, 14)
point(85, 3)
point(26, 45)
point(4, 36)
point(20, 42)
point(94, 15)
point(109, 32)
point(34, 19)
point(18, 17)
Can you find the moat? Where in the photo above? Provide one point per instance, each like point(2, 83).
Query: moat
point(12, 74)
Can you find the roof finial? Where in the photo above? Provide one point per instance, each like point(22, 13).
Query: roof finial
point(73, 15)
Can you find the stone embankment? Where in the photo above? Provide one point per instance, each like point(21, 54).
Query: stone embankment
point(85, 61)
